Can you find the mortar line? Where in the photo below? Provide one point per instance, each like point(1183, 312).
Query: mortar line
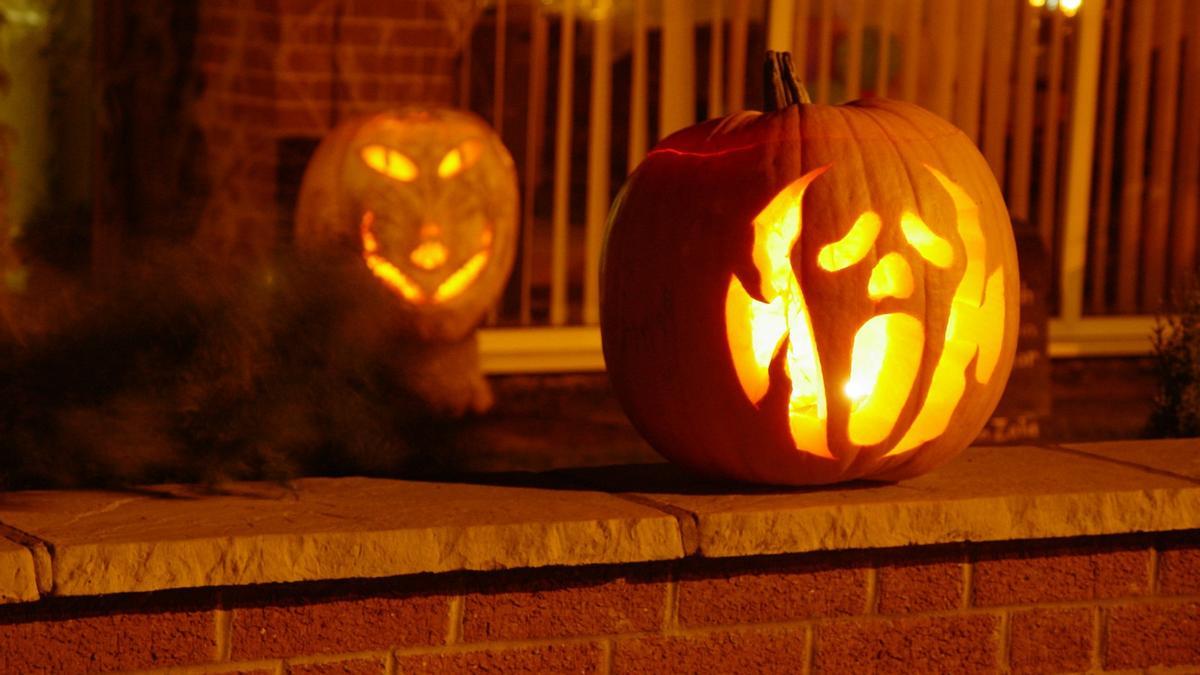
point(454, 621)
point(790, 624)
point(872, 599)
point(810, 647)
point(670, 622)
point(606, 657)
point(1005, 647)
point(687, 522)
point(1120, 462)
point(223, 626)
point(42, 552)
point(307, 659)
point(968, 594)
point(1098, 616)
point(1153, 569)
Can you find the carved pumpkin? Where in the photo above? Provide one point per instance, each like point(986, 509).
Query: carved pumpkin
point(811, 294)
point(428, 199)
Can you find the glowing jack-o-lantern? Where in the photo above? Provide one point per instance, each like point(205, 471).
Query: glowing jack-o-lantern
point(428, 200)
point(811, 294)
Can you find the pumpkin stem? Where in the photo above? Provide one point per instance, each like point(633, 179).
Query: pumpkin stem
point(782, 87)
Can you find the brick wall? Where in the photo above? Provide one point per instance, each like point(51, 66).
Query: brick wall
point(1114, 603)
point(282, 69)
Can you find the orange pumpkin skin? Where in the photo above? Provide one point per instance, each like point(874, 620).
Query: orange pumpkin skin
point(681, 249)
point(428, 198)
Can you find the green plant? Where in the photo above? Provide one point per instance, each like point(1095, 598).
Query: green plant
point(1177, 363)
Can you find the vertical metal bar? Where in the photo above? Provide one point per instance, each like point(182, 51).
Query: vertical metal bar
point(825, 51)
point(498, 79)
point(534, 121)
point(884, 51)
point(1133, 156)
point(561, 213)
point(1051, 128)
point(912, 51)
point(1002, 17)
point(1103, 211)
point(1168, 34)
point(973, 35)
point(677, 80)
point(800, 39)
point(599, 152)
point(944, 26)
point(1078, 178)
point(1187, 172)
point(716, 61)
point(1019, 176)
point(639, 115)
point(854, 49)
point(781, 17)
point(739, 29)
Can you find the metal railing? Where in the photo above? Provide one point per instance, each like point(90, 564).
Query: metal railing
point(1083, 112)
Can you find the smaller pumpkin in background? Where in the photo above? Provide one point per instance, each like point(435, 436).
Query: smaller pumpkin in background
point(427, 199)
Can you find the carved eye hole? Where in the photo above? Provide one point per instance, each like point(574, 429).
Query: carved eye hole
point(390, 163)
point(459, 159)
point(933, 248)
point(854, 246)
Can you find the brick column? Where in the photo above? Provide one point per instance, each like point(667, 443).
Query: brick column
point(281, 70)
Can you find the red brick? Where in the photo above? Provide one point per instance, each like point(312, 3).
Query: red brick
point(280, 625)
point(1060, 574)
point(217, 24)
point(562, 658)
point(348, 667)
point(302, 119)
point(259, 58)
point(950, 644)
point(311, 31)
point(105, 635)
point(409, 9)
point(266, 30)
point(921, 586)
point(1051, 640)
point(757, 651)
point(361, 32)
point(1179, 571)
point(309, 60)
point(564, 603)
point(1152, 634)
point(781, 589)
point(303, 7)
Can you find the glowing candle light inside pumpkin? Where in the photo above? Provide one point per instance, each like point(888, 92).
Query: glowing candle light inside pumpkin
point(887, 352)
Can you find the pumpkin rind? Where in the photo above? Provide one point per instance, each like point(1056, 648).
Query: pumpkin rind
point(681, 230)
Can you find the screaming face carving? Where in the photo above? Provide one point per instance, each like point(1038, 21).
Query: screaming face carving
point(889, 348)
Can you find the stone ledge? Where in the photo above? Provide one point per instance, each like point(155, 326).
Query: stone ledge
point(92, 543)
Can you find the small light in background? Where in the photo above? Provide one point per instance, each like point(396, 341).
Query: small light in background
point(587, 9)
point(1067, 7)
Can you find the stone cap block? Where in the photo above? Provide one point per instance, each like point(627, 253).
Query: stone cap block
point(18, 582)
point(99, 542)
point(986, 494)
point(173, 537)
